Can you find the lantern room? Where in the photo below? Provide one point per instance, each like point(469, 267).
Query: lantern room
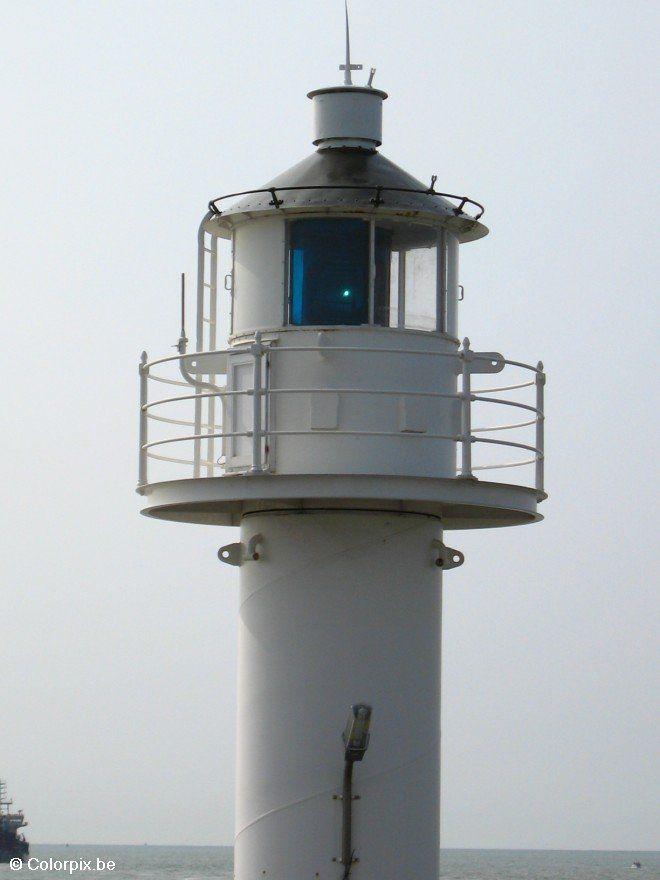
point(331, 351)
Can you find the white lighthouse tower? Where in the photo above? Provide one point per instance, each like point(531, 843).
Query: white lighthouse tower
point(330, 411)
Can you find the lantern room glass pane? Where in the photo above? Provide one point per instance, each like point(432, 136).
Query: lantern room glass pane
point(421, 286)
point(411, 275)
point(382, 280)
point(329, 271)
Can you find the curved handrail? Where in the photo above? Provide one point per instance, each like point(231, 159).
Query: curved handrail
point(337, 433)
point(507, 403)
point(376, 200)
point(189, 461)
point(507, 443)
point(147, 406)
point(361, 349)
point(185, 422)
point(386, 391)
point(503, 388)
point(168, 381)
point(221, 434)
point(305, 348)
point(504, 427)
point(196, 383)
point(209, 429)
point(508, 464)
point(300, 433)
point(191, 354)
point(523, 366)
point(368, 350)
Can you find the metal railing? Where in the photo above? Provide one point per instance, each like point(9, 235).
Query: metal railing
point(261, 433)
point(376, 199)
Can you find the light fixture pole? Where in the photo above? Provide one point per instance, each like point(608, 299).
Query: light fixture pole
point(356, 741)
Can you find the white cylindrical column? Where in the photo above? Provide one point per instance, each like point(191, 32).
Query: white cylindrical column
point(340, 607)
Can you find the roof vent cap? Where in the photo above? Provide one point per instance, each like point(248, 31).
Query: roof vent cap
point(348, 116)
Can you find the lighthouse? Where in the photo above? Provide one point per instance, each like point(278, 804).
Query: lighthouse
point(329, 409)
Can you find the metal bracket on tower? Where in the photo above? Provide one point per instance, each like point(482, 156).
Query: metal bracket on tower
point(378, 198)
point(275, 201)
point(447, 557)
point(485, 361)
point(238, 553)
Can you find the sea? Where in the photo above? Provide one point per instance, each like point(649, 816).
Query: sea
point(216, 863)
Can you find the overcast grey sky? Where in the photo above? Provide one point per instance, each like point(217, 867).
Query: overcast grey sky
point(121, 120)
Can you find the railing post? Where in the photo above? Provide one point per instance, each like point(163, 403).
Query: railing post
point(540, 428)
point(144, 421)
point(466, 412)
point(257, 392)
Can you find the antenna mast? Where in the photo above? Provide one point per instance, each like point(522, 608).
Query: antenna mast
point(4, 801)
point(183, 339)
point(348, 67)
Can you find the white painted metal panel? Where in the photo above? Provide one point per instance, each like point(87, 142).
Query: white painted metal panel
point(238, 450)
point(258, 282)
point(357, 594)
point(413, 415)
point(324, 412)
point(359, 443)
point(452, 284)
point(238, 416)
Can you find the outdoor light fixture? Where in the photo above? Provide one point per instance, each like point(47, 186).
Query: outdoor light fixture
point(356, 741)
point(356, 734)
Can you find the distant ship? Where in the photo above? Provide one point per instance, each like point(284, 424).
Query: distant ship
point(12, 844)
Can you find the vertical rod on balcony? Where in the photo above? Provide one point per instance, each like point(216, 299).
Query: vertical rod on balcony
point(540, 428)
point(144, 421)
point(266, 412)
point(466, 414)
point(257, 351)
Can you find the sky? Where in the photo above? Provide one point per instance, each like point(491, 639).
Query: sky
point(118, 633)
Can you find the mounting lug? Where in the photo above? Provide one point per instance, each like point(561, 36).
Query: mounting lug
point(447, 557)
point(238, 553)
